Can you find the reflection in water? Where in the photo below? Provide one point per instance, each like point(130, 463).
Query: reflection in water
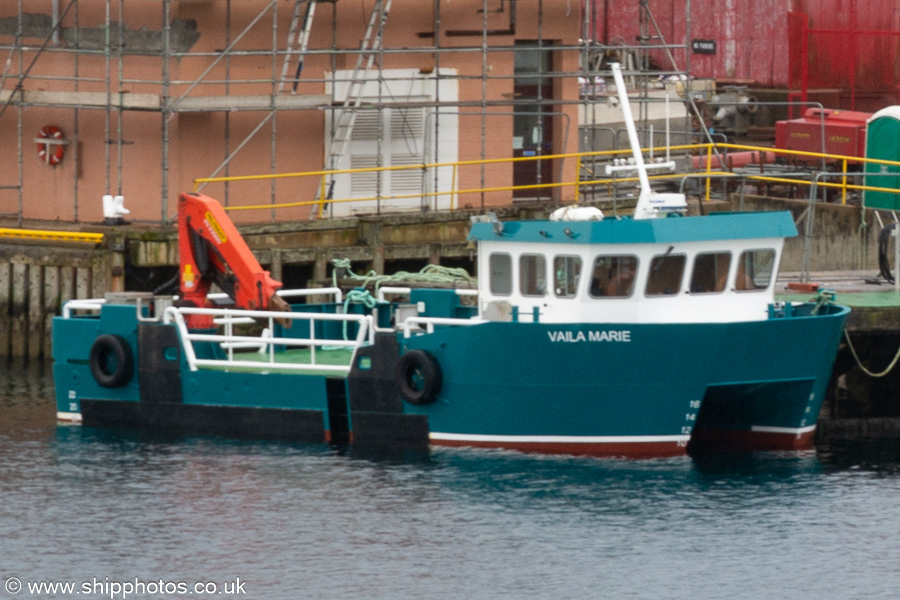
point(297, 520)
point(871, 455)
point(26, 397)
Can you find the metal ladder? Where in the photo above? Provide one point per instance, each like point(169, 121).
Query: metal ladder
point(302, 42)
point(343, 127)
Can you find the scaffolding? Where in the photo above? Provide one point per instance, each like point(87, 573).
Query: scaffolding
point(100, 56)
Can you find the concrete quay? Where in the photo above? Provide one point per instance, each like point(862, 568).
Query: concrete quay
point(863, 399)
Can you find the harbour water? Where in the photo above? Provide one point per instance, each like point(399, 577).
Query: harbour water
point(119, 514)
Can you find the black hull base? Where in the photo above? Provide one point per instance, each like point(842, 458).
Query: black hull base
point(263, 423)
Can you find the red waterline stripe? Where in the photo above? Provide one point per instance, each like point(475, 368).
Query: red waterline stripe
point(749, 441)
point(604, 449)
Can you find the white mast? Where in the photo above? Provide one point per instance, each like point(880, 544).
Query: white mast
point(650, 204)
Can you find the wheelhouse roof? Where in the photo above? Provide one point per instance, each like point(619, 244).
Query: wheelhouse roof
point(676, 229)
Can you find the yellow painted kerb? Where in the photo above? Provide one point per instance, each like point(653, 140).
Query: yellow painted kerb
point(56, 236)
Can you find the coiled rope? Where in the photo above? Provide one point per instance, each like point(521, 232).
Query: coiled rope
point(430, 274)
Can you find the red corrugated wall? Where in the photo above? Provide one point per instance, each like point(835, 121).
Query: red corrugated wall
point(753, 42)
point(751, 37)
point(852, 45)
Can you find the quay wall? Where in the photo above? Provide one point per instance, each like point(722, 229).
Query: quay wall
point(843, 237)
point(35, 281)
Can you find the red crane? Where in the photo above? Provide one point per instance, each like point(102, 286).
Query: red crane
point(213, 251)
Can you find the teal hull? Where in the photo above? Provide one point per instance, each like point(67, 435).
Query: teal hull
point(623, 390)
point(512, 385)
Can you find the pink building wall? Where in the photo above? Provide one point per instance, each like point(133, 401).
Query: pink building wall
point(73, 189)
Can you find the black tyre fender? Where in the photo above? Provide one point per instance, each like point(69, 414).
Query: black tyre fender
point(418, 377)
point(112, 362)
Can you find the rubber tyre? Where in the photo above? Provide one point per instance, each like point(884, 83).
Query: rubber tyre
point(112, 362)
point(418, 377)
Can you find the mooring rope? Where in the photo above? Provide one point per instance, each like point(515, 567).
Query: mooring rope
point(826, 297)
point(889, 368)
point(823, 298)
point(357, 297)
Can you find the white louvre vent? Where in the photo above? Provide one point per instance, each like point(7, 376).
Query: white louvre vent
point(408, 129)
point(407, 181)
point(365, 184)
point(396, 135)
point(365, 129)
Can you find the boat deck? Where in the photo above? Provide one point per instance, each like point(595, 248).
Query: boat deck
point(297, 356)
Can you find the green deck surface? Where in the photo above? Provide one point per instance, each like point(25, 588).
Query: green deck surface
point(300, 356)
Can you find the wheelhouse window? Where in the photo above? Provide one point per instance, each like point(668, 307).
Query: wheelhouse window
point(532, 275)
point(500, 266)
point(710, 272)
point(666, 274)
point(754, 272)
point(566, 273)
point(613, 276)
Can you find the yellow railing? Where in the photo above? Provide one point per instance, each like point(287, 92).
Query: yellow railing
point(706, 151)
point(844, 160)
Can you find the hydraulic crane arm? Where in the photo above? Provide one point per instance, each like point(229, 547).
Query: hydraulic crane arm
point(213, 251)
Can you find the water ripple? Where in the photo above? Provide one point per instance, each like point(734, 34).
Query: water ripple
point(306, 521)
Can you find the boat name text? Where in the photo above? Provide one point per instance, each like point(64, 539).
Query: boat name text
point(592, 336)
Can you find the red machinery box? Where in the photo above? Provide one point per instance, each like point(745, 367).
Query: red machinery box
point(845, 132)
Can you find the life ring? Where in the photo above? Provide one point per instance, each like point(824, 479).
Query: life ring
point(418, 377)
point(112, 362)
point(51, 153)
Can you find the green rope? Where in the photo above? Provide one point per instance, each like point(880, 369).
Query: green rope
point(889, 368)
point(826, 297)
point(357, 297)
point(344, 263)
point(430, 274)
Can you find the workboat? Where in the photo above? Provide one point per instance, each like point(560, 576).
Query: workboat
point(652, 335)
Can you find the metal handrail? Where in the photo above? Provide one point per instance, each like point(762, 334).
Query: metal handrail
point(365, 334)
point(430, 322)
point(337, 292)
point(706, 149)
point(94, 304)
point(384, 290)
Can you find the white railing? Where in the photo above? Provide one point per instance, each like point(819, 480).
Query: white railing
point(382, 291)
point(93, 304)
point(229, 322)
point(336, 292)
point(430, 322)
point(268, 342)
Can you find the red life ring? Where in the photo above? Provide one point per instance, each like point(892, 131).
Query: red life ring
point(51, 153)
